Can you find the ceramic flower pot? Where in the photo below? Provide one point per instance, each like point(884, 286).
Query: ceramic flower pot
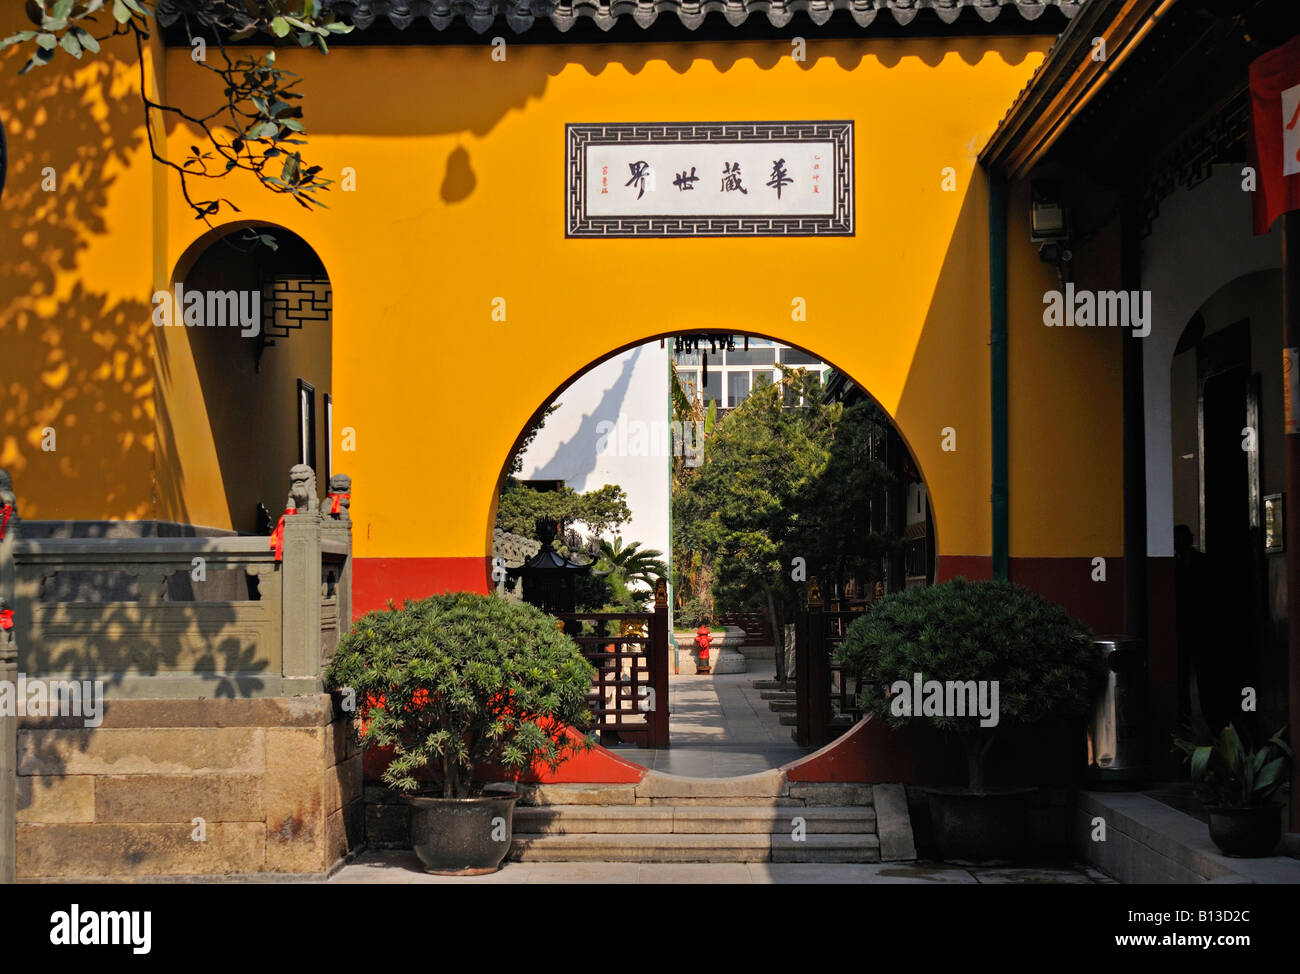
point(462, 836)
point(1246, 832)
point(990, 826)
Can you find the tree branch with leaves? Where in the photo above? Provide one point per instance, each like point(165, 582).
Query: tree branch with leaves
point(258, 129)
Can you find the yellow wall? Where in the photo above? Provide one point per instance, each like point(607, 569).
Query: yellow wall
point(459, 166)
point(1064, 386)
point(459, 200)
point(75, 280)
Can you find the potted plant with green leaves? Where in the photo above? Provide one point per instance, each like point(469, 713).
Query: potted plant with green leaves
point(976, 659)
point(1238, 783)
point(455, 684)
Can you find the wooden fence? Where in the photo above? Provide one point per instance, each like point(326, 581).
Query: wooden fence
point(826, 698)
point(629, 692)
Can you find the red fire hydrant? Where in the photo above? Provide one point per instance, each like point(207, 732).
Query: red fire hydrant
point(702, 637)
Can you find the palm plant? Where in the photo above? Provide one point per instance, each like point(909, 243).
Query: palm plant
point(636, 564)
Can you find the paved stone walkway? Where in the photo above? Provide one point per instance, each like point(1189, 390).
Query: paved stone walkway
point(392, 866)
point(719, 728)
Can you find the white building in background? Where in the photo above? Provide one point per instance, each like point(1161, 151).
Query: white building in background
point(729, 375)
point(611, 428)
point(614, 423)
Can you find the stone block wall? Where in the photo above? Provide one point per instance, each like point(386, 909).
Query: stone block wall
point(276, 781)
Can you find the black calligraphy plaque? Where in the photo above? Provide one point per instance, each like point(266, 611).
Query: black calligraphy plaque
point(709, 179)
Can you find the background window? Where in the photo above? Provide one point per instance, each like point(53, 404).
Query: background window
point(751, 356)
point(737, 388)
point(329, 436)
point(713, 387)
point(307, 423)
point(793, 356)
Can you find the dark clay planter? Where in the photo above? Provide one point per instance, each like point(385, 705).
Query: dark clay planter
point(990, 826)
point(462, 836)
point(1246, 832)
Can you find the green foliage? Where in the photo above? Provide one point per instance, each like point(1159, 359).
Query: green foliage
point(691, 613)
point(778, 482)
point(458, 680)
point(520, 507)
point(259, 124)
point(637, 564)
point(1042, 658)
point(516, 464)
point(834, 532)
point(607, 592)
point(738, 506)
point(1228, 773)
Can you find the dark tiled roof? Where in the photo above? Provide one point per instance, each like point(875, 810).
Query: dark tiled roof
point(522, 14)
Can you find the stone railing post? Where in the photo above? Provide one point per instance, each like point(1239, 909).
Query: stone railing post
point(8, 677)
point(336, 522)
point(300, 584)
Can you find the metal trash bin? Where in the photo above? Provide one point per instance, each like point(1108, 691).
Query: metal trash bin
point(1117, 732)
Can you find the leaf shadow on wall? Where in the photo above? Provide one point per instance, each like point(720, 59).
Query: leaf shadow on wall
point(78, 357)
point(459, 180)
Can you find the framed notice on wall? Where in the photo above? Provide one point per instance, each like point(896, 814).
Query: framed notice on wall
point(1274, 523)
point(709, 179)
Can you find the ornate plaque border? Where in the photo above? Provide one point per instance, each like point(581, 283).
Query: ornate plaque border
point(840, 223)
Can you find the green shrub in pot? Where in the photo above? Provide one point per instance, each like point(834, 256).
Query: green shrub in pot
point(455, 682)
point(1238, 784)
point(1041, 660)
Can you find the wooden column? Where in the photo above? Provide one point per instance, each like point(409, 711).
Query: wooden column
point(818, 692)
point(1291, 400)
point(659, 636)
point(802, 733)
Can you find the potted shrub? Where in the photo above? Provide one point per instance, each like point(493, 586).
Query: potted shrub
point(999, 656)
point(454, 683)
point(1238, 783)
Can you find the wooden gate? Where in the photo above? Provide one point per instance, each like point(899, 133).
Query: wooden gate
point(826, 699)
point(629, 692)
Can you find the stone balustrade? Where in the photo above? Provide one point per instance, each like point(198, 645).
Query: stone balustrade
point(215, 750)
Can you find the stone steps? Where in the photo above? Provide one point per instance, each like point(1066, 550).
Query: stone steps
point(693, 819)
point(687, 847)
point(774, 685)
point(667, 818)
point(776, 695)
point(768, 789)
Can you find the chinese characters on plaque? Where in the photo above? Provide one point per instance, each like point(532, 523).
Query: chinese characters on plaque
point(710, 179)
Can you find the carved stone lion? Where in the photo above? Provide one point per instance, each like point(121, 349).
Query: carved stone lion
point(302, 490)
point(340, 491)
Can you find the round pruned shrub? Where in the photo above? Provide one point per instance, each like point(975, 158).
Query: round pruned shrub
point(460, 680)
point(1042, 658)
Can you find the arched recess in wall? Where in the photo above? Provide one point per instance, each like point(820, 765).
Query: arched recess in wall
point(910, 510)
point(244, 376)
point(1228, 512)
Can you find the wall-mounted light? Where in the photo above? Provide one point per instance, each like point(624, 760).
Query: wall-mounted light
point(1049, 224)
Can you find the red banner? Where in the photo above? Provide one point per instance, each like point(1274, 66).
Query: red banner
point(1275, 132)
